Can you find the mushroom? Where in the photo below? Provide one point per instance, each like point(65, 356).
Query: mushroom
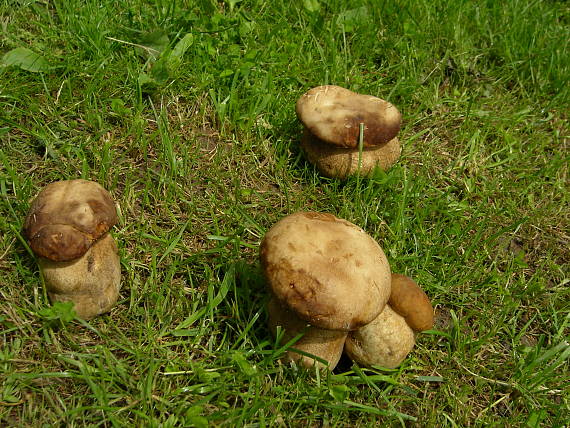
point(411, 302)
point(388, 339)
point(332, 117)
point(67, 228)
point(326, 272)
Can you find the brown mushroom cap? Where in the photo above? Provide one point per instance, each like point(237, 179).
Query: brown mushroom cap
point(334, 114)
point(325, 344)
point(340, 162)
point(385, 342)
point(91, 281)
point(410, 301)
point(326, 270)
point(67, 217)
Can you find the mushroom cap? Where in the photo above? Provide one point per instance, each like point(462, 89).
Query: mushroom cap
point(410, 301)
point(340, 162)
point(385, 342)
point(325, 344)
point(326, 270)
point(91, 281)
point(334, 114)
point(67, 217)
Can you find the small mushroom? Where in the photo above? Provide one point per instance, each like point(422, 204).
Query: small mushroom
point(325, 271)
point(388, 339)
point(385, 342)
point(332, 117)
point(67, 228)
point(411, 302)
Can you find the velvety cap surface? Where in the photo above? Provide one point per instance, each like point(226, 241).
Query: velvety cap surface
point(67, 217)
point(326, 270)
point(334, 114)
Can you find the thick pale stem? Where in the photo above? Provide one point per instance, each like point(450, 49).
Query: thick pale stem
point(91, 282)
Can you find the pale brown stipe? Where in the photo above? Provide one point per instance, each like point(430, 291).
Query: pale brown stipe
point(324, 344)
point(410, 301)
point(334, 114)
point(385, 342)
point(67, 217)
point(92, 281)
point(327, 271)
point(340, 162)
point(67, 227)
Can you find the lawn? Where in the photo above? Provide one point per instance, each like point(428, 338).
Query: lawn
point(185, 112)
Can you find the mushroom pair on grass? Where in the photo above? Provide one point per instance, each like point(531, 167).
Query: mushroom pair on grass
point(331, 282)
point(348, 133)
point(67, 227)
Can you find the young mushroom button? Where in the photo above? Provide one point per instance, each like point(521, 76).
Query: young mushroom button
point(67, 228)
point(388, 339)
point(411, 302)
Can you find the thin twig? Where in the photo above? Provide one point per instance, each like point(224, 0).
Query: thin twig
point(360, 145)
point(151, 51)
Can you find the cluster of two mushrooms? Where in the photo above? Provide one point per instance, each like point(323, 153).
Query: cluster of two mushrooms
point(331, 282)
point(347, 133)
point(67, 227)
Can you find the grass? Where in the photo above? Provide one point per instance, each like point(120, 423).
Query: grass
point(196, 138)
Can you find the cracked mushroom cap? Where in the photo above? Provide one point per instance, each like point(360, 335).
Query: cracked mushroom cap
point(67, 217)
point(410, 301)
point(334, 114)
point(340, 162)
point(326, 270)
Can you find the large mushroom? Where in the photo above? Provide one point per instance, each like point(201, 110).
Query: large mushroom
point(327, 277)
point(67, 228)
point(389, 338)
point(331, 285)
point(332, 117)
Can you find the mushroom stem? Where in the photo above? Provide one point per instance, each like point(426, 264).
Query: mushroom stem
point(324, 344)
point(341, 162)
point(91, 282)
